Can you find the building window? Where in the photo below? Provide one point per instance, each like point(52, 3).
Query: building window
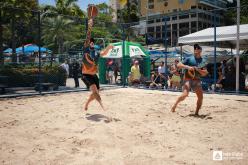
point(205, 16)
point(193, 15)
point(158, 20)
point(158, 35)
point(174, 18)
point(183, 16)
point(174, 10)
point(193, 30)
point(184, 29)
point(150, 29)
point(193, 25)
point(168, 28)
point(204, 25)
point(200, 25)
point(150, 21)
point(151, 6)
point(184, 25)
point(193, 7)
point(167, 19)
point(158, 28)
point(174, 34)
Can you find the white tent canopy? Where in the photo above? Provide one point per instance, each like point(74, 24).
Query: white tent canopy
point(224, 33)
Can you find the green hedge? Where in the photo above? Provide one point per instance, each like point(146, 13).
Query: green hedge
point(28, 75)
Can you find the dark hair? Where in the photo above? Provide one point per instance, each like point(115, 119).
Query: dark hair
point(92, 40)
point(196, 46)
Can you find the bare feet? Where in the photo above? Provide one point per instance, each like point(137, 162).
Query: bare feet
point(86, 107)
point(102, 106)
point(108, 119)
point(173, 109)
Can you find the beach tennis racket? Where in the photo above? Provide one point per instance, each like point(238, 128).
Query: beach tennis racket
point(192, 73)
point(92, 11)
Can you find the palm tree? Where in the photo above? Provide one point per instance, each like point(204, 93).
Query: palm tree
point(62, 24)
point(63, 7)
point(59, 32)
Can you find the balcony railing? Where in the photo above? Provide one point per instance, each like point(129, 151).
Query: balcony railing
point(214, 3)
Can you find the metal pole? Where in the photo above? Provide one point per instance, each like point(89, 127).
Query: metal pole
point(181, 52)
point(237, 46)
point(39, 42)
point(147, 10)
point(128, 10)
point(165, 44)
point(123, 56)
point(215, 44)
point(1, 39)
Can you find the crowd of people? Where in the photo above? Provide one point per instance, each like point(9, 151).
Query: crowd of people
point(161, 78)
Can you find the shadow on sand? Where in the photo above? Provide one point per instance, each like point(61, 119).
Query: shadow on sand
point(205, 116)
point(100, 117)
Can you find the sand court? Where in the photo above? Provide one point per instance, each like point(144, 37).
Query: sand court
point(54, 129)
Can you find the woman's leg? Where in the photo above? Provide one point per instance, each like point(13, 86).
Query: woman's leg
point(185, 93)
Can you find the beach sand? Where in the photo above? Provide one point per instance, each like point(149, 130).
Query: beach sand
point(54, 129)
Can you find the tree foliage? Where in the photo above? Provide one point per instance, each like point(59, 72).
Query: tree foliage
point(230, 16)
point(17, 25)
point(62, 25)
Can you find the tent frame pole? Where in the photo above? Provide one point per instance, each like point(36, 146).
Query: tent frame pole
point(165, 44)
point(215, 57)
point(237, 46)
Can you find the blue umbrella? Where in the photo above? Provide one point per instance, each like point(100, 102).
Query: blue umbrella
point(30, 48)
point(9, 50)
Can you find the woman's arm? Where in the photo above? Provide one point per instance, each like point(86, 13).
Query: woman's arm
point(203, 72)
point(181, 65)
point(105, 51)
point(88, 35)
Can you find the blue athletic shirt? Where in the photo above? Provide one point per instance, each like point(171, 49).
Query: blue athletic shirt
point(194, 62)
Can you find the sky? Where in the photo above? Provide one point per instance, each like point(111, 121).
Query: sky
point(81, 3)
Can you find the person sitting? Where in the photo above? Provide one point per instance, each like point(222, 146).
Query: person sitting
point(219, 83)
point(155, 81)
point(134, 77)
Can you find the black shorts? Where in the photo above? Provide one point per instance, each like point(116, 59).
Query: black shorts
point(90, 80)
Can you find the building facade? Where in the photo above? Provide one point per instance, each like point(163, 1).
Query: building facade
point(181, 16)
point(115, 5)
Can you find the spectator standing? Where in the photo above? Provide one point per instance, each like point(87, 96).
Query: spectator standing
point(75, 72)
point(65, 67)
